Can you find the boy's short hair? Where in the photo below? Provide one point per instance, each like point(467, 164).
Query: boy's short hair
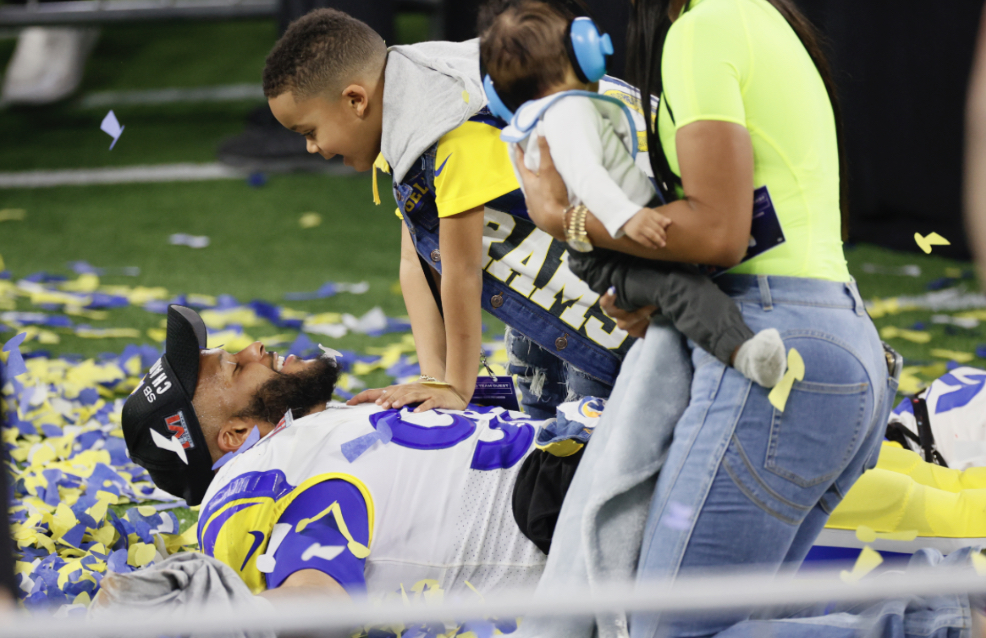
point(524, 51)
point(324, 49)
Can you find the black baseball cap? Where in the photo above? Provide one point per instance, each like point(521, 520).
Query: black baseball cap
point(159, 423)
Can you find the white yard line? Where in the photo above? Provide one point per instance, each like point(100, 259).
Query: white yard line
point(121, 175)
point(225, 93)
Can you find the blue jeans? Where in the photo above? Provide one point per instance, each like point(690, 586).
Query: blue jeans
point(747, 485)
point(546, 380)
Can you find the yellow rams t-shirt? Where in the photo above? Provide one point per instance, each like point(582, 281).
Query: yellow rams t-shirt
point(472, 167)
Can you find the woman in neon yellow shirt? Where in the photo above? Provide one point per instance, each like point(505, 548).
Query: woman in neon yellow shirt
point(746, 132)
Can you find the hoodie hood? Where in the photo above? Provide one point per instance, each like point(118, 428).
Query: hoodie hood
point(430, 89)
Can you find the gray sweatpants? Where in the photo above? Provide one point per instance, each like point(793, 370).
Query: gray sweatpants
point(685, 296)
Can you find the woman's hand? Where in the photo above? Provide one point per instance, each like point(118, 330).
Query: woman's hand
point(545, 191)
point(635, 322)
point(397, 396)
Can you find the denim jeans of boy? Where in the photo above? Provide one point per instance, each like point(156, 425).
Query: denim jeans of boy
point(546, 380)
point(746, 485)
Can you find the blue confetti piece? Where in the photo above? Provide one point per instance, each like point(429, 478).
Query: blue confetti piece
point(50, 430)
point(951, 365)
point(157, 306)
point(117, 448)
point(85, 268)
point(345, 394)
point(941, 283)
point(43, 277)
point(328, 289)
point(354, 449)
point(226, 302)
point(251, 440)
point(918, 325)
point(102, 301)
point(117, 562)
point(74, 536)
point(384, 432)
point(303, 346)
point(677, 516)
point(482, 628)
point(256, 180)
point(15, 362)
point(88, 396)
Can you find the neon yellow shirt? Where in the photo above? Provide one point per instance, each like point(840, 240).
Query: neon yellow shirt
point(739, 61)
point(472, 167)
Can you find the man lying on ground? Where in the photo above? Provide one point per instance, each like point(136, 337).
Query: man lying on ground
point(348, 499)
point(355, 500)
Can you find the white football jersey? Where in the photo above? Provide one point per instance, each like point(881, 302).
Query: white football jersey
point(377, 499)
point(957, 413)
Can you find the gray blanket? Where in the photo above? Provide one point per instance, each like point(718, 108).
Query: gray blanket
point(183, 582)
point(601, 524)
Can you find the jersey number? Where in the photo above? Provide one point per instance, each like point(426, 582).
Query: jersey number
point(489, 455)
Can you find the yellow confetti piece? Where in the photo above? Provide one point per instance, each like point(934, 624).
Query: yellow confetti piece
point(157, 334)
point(108, 333)
point(62, 521)
point(139, 554)
point(310, 220)
point(87, 282)
point(953, 355)
point(933, 239)
point(230, 340)
point(869, 535)
point(893, 332)
point(795, 372)
point(146, 510)
point(869, 559)
point(465, 97)
point(105, 535)
point(881, 307)
point(11, 215)
point(219, 319)
point(395, 288)
point(82, 599)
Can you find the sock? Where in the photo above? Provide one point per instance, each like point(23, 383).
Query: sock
point(763, 358)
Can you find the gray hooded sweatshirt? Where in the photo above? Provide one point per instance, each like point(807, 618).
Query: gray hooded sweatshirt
point(430, 89)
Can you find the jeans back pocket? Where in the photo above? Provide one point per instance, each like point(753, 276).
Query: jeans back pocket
point(815, 436)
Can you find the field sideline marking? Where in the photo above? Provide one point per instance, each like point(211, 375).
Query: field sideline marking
point(222, 93)
point(120, 175)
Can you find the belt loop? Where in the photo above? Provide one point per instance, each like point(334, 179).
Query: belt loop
point(853, 291)
point(765, 300)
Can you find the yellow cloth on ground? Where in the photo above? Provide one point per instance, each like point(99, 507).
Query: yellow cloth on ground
point(904, 493)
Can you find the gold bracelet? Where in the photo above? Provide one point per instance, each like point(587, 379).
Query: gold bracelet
point(432, 382)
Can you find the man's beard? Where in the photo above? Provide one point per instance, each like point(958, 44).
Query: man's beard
point(300, 392)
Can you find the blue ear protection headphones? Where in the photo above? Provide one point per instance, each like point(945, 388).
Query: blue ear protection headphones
point(587, 49)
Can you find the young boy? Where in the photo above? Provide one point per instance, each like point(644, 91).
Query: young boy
point(535, 55)
point(421, 107)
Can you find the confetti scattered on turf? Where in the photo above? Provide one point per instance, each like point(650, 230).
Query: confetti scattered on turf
point(80, 507)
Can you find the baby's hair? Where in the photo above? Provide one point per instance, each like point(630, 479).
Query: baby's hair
point(523, 50)
point(323, 50)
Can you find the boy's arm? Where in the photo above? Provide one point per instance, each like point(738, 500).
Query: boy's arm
point(426, 321)
point(461, 246)
point(461, 240)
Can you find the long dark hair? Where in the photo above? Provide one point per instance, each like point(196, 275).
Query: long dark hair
point(647, 31)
